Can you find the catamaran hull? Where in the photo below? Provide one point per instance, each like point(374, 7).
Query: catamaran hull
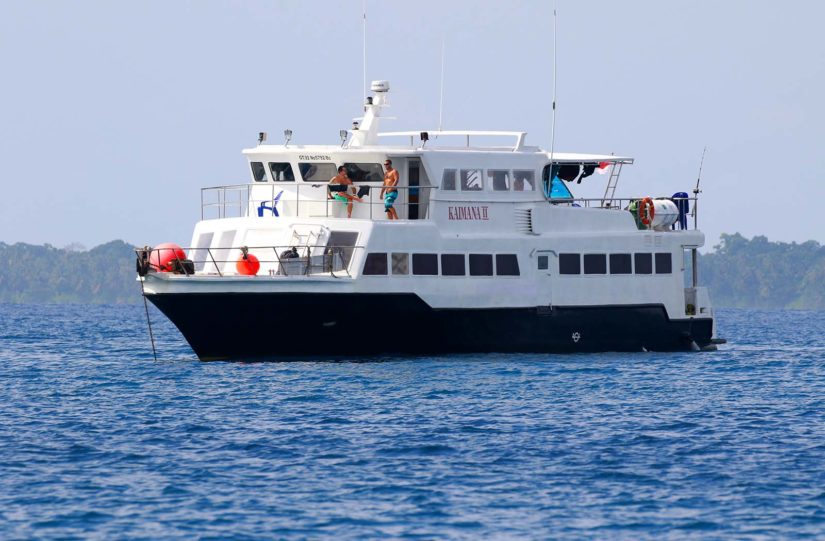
point(285, 326)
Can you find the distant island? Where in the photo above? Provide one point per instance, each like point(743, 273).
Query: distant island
point(740, 272)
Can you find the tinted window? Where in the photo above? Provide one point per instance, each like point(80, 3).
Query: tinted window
point(317, 171)
point(620, 264)
point(507, 265)
point(281, 171)
point(664, 264)
point(376, 264)
point(524, 181)
point(400, 263)
point(570, 264)
point(452, 265)
point(258, 171)
point(471, 180)
point(543, 262)
point(500, 179)
point(448, 180)
point(365, 172)
point(643, 263)
point(481, 265)
point(426, 264)
point(595, 264)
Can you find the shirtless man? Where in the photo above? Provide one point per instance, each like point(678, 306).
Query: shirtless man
point(344, 196)
point(389, 192)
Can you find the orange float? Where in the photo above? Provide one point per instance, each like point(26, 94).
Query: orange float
point(162, 256)
point(248, 265)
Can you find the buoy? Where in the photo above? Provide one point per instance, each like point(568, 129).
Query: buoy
point(248, 265)
point(162, 255)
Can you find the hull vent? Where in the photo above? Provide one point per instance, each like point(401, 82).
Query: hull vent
point(524, 221)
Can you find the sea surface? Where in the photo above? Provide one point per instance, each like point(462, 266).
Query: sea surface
point(99, 441)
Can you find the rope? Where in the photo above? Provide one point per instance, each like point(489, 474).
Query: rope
point(148, 321)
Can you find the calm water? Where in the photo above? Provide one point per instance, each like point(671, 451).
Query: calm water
point(99, 441)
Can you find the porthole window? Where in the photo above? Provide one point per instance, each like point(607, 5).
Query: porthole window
point(595, 264)
point(452, 265)
point(376, 264)
point(643, 263)
point(425, 264)
point(570, 264)
point(400, 263)
point(507, 265)
point(664, 264)
point(620, 264)
point(481, 265)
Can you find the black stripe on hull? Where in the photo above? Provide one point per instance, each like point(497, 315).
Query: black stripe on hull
point(283, 325)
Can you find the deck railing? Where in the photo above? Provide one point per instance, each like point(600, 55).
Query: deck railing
point(312, 260)
point(242, 200)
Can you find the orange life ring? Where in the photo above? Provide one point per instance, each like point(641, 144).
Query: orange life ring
point(646, 211)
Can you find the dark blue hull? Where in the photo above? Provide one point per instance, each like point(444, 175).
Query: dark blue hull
point(280, 326)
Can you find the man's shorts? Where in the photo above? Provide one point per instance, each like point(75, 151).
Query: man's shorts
point(389, 199)
point(339, 197)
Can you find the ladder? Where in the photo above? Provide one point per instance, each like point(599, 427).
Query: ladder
point(612, 182)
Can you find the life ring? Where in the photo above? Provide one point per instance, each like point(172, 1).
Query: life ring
point(646, 211)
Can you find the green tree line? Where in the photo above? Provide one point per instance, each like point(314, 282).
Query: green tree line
point(742, 273)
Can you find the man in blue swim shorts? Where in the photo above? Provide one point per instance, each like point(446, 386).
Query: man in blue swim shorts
point(389, 192)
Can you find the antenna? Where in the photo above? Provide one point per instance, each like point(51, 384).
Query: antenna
point(696, 192)
point(441, 99)
point(553, 122)
point(364, 87)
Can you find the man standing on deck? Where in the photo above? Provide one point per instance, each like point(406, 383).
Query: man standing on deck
point(343, 196)
point(389, 192)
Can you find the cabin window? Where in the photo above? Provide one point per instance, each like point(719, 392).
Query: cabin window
point(543, 262)
point(643, 263)
point(664, 264)
point(258, 171)
point(376, 264)
point(317, 171)
point(471, 180)
point(620, 264)
point(365, 172)
point(500, 179)
point(448, 179)
point(595, 264)
point(524, 181)
point(400, 263)
point(452, 265)
point(570, 264)
point(507, 265)
point(425, 264)
point(281, 171)
point(481, 265)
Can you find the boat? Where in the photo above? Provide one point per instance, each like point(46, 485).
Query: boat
point(490, 252)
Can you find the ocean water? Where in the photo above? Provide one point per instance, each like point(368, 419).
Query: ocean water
point(99, 441)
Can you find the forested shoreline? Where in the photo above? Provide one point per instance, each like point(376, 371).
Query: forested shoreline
point(740, 272)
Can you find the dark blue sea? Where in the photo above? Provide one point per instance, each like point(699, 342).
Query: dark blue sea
point(99, 441)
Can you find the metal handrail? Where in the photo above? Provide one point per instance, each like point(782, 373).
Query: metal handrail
point(144, 254)
point(245, 203)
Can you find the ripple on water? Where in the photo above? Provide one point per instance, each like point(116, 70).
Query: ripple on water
point(97, 440)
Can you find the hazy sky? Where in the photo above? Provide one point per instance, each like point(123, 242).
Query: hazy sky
point(113, 115)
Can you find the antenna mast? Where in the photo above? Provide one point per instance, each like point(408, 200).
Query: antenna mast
point(441, 99)
point(364, 87)
point(697, 191)
point(553, 122)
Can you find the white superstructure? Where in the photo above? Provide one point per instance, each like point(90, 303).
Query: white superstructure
point(487, 235)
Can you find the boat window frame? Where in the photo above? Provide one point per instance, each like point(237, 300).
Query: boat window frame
point(288, 169)
point(264, 177)
point(318, 180)
point(462, 183)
